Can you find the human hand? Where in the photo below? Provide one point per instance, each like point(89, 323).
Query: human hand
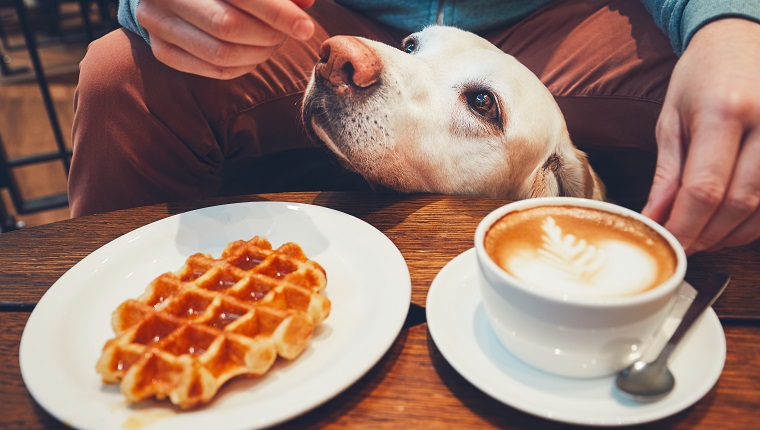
point(221, 39)
point(706, 187)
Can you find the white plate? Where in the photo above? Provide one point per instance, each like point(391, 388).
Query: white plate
point(460, 329)
point(368, 284)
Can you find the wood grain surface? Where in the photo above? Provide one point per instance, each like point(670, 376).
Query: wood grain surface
point(413, 385)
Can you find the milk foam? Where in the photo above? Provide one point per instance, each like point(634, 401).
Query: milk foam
point(572, 267)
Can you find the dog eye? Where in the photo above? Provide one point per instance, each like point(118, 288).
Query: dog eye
point(484, 104)
point(409, 46)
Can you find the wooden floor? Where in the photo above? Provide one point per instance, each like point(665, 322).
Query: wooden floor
point(24, 124)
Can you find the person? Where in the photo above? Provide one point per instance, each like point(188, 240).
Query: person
point(197, 98)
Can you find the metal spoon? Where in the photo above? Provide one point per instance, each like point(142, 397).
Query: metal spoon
point(651, 380)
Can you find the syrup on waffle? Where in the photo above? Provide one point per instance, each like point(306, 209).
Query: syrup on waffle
point(214, 319)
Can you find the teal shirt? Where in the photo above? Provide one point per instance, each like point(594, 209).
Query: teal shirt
point(472, 15)
point(679, 19)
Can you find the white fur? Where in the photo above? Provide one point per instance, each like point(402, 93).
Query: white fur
point(416, 133)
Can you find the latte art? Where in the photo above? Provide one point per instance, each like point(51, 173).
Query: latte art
point(580, 252)
point(576, 259)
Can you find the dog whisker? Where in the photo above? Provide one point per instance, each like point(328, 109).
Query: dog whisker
point(459, 116)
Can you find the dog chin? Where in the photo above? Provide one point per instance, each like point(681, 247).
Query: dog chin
point(324, 137)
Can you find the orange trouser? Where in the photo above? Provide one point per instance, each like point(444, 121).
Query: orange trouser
point(145, 133)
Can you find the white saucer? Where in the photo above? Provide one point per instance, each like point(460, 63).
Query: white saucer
point(459, 326)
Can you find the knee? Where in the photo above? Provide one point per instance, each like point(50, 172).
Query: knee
point(109, 67)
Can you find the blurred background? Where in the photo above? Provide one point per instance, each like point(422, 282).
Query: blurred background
point(41, 45)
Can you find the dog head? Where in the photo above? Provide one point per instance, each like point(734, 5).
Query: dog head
point(447, 113)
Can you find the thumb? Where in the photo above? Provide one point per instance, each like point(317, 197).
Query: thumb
point(303, 4)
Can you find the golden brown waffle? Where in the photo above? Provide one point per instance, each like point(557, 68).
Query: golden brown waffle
point(214, 319)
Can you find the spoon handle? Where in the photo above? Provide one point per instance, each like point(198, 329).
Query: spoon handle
point(707, 293)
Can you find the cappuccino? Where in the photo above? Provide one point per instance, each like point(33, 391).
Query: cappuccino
point(572, 251)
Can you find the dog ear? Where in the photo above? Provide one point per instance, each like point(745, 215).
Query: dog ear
point(569, 174)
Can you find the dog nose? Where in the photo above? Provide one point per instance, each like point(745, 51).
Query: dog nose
point(346, 60)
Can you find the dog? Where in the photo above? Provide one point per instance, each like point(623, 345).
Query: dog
point(447, 113)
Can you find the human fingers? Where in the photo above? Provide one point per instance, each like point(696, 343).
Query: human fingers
point(304, 4)
point(713, 147)
point(745, 234)
point(284, 16)
point(179, 59)
point(178, 43)
point(737, 222)
point(189, 39)
point(667, 176)
point(217, 19)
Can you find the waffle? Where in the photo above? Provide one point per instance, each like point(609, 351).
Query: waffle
point(214, 319)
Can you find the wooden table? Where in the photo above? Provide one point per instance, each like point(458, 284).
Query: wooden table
point(412, 386)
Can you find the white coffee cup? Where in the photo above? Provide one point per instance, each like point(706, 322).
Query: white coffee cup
point(569, 334)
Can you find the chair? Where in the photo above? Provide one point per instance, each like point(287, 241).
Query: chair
point(49, 17)
point(22, 205)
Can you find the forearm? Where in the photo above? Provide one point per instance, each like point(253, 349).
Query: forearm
point(680, 19)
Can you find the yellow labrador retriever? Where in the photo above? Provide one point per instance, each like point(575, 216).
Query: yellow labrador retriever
point(448, 113)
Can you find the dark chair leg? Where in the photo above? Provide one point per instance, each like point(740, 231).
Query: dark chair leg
point(7, 221)
point(31, 45)
point(84, 9)
point(5, 68)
